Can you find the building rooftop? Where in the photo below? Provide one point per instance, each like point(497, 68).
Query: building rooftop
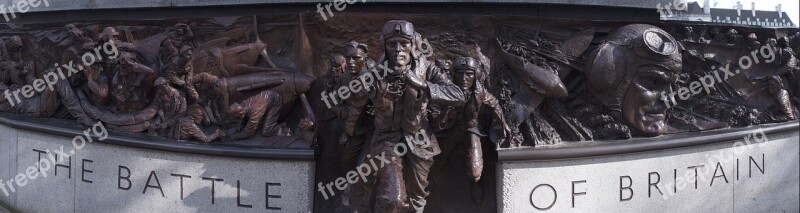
point(696, 12)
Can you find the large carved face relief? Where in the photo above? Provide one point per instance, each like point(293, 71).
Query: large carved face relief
point(630, 72)
point(642, 106)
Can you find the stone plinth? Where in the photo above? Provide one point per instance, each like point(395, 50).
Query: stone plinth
point(100, 177)
point(724, 176)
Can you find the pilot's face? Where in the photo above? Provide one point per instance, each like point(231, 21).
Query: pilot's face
point(355, 59)
point(464, 78)
point(399, 51)
point(642, 107)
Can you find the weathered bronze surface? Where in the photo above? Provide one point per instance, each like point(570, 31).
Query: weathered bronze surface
point(463, 86)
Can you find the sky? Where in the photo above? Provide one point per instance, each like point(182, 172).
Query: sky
point(791, 7)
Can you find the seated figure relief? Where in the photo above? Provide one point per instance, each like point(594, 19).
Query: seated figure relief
point(184, 91)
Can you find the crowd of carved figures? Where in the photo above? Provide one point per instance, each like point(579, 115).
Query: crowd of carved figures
point(168, 84)
point(616, 95)
point(522, 89)
point(544, 92)
point(440, 99)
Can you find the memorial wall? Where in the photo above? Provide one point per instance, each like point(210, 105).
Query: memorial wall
point(390, 106)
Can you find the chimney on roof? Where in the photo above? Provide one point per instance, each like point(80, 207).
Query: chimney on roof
point(738, 8)
point(779, 9)
point(707, 7)
point(753, 8)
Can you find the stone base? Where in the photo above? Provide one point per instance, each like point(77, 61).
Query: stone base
point(715, 177)
point(101, 177)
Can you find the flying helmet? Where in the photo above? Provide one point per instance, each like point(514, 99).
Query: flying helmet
point(613, 65)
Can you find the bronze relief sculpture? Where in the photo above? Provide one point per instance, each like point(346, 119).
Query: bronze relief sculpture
point(450, 91)
point(629, 72)
point(153, 85)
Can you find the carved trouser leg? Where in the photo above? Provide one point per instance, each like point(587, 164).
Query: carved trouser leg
point(391, 189)
point(72, 103)
point(360, 195)
point(796, 83)
point(528, 133)
point(43, 105)
point(352, 150)
point(221, 88)
point(273, 113)
point(416, 172)
point(475, 157)
point(253, 119)
point(262, 108)
point(191, 93)
point(785, 104)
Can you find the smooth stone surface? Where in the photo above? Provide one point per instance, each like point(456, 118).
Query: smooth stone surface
point(8, 161)
point(92, 182)
point(776, 190)
point(295, 179)
point(50, 193)
point(783, 191)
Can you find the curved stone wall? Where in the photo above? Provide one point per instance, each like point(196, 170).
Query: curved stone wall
point(747, 170)
point(521, 98)
point(101, 177)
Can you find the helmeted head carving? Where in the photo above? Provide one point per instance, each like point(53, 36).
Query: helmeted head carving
point(14, 43)
point(400, 41)
point(186, 52)
point(237, 111)
point(73, 31)
point(160, 81)
point(338, 64)
point(444, 64)
point(109, 34)
point(772, 42)
point(466, 70)
point(183, 30)
point(196, 113)
point(629, 72)
point(356, 54)
point(731, 35)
